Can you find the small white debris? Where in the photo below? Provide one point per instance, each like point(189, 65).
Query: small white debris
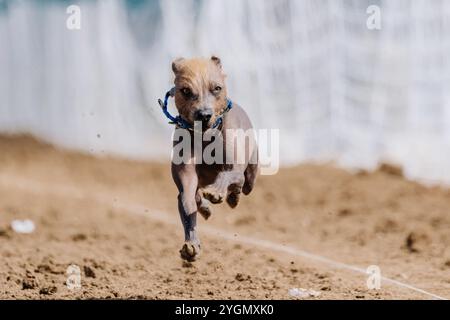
point(23, 226)
point(303, 293)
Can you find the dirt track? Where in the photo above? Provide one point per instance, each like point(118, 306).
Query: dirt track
point(93, 213)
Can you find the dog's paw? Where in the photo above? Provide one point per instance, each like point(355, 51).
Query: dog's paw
point(213, 196)
point(205, 211)
point(234, 194)
point(233, 199)
point(190, 251)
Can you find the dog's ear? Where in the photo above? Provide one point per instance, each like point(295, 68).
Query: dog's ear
point(176, 65)
point(217, 61)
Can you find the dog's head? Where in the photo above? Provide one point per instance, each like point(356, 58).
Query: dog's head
point(200, 93)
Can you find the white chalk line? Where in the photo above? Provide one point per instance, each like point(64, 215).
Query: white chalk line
point(70, 192)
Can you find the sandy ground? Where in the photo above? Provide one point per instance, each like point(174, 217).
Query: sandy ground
point(117, 221)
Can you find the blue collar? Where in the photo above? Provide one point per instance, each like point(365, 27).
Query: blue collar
point(182, 123)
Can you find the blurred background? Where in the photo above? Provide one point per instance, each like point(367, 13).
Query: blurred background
point(312, 68)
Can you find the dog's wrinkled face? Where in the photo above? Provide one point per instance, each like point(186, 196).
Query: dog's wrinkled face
point(200, 93)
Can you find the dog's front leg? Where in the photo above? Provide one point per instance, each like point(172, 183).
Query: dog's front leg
point(186, 180)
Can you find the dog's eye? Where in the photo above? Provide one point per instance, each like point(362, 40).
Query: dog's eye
point(217, 89)
point(186, 92)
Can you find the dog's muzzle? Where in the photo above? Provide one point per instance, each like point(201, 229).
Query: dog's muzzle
point(203, 115)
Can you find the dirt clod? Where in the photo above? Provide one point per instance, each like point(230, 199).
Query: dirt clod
point(29, 283)
point(391, 169)
point(48, 290)
point(79, 237)
point(417, 241)
point(241, 277)
point(88, 272)
point(4, 232)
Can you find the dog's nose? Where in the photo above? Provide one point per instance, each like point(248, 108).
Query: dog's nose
point(203, 115)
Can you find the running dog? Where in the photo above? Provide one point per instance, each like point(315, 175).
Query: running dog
point(200, 94)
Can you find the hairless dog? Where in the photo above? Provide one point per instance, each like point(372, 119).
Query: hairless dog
point(201, 97)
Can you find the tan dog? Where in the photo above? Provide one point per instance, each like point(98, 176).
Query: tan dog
point(201, 95)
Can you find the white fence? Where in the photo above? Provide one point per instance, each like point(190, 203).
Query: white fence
point(336, 89)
